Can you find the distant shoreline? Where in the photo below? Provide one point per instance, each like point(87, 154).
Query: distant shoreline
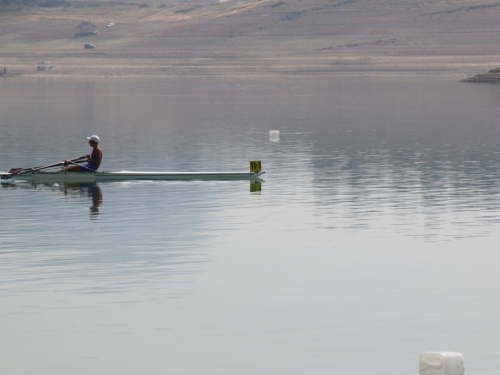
point(459, 76)
point(64, 68)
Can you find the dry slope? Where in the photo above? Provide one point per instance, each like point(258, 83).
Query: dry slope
point(255, 37)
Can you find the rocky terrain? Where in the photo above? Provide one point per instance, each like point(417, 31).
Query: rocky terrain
point(253, 38)
point(493, 76)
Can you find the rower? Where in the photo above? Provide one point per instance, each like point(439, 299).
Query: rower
point(93, 160)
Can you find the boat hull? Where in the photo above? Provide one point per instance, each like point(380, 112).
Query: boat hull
point(130, 175)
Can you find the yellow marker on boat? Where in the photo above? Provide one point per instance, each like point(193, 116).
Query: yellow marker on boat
point(255, 166)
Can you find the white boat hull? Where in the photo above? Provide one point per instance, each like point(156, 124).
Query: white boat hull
point(130, 175)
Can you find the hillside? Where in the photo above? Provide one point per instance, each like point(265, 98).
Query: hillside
point(254, 37)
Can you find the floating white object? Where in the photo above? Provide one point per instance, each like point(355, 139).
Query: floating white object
point(441, 363)
point(274, 135)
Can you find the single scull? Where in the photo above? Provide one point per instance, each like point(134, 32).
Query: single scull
point(44, 174)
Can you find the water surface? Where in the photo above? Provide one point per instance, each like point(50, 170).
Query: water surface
point(372, 240)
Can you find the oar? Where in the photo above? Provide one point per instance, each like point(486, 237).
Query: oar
point(29, 170)
point(64, 162)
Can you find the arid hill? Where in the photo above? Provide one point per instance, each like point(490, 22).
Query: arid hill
point(253, 37)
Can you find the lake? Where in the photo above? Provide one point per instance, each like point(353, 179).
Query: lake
point(374, 236)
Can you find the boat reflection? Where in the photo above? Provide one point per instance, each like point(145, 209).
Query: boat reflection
point(90, 190)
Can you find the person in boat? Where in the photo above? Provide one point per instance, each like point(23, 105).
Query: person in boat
point(93, 160)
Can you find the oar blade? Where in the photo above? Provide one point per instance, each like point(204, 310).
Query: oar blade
point(19, 171)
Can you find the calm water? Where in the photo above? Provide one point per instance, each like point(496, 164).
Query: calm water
point(374, 238)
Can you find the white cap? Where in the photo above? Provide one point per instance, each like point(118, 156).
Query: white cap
point(94, 138)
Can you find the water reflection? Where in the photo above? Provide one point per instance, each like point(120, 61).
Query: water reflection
point(146, 231)
point(430, 189)
point(90, 190)
point(255, 187)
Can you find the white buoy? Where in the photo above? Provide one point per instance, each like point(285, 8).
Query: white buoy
point(441, 363)
point(274, 135)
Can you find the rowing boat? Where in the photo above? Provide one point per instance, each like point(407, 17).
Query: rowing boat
point(41, 176)
point(48, 174)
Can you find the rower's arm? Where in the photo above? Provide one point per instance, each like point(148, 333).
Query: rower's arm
point(96, 159)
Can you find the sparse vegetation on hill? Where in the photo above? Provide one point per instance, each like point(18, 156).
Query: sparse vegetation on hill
point(29, 3)
point(251, 37)
point(6, 5)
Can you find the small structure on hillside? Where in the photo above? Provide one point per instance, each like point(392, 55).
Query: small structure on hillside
point(42, 65)
point(85, 29)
